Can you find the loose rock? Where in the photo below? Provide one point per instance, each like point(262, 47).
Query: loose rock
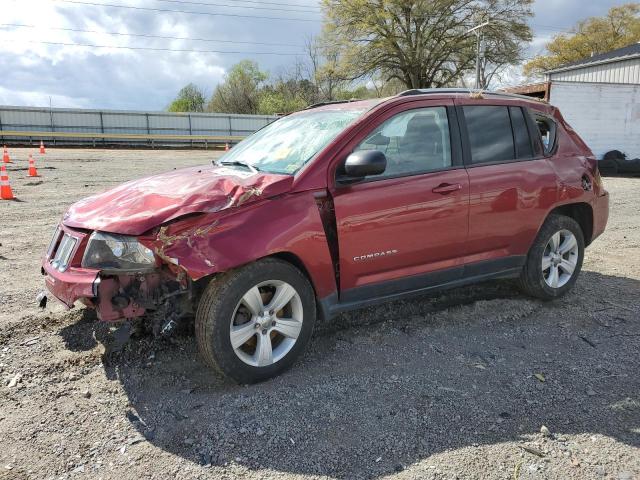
point(14, 380)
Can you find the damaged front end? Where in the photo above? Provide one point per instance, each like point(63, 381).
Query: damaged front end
point(158, 297)
point(119, 276)
point(162, 247)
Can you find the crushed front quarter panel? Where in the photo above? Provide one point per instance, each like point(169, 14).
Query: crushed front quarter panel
point(213, 243)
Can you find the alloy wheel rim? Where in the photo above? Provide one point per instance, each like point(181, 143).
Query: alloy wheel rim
point(560, 258)
point(266, 323)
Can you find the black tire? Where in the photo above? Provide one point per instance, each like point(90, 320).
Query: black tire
point(532, 279)
point(608, 167)
point(611, 161)
point(217, 307)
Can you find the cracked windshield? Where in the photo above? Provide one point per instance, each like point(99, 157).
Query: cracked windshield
point(290, 142)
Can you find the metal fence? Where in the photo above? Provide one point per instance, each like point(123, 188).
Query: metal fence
point(69, 126)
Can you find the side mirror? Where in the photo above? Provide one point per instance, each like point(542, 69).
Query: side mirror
point(364, 163)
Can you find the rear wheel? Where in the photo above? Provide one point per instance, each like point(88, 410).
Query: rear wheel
point(253, 322)
point(555, 259)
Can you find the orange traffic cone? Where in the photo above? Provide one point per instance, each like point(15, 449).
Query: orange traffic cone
point(5, 188)
point(5, 156)
point(32, 167)
point(226, 147)
point(42, 150)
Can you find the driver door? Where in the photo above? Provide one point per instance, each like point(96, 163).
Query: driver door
point(405, 229)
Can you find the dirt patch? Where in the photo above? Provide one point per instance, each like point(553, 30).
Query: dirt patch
point(457, 385)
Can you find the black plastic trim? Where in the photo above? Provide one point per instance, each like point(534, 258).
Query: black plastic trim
point(331, 102)
point(360, 297)
point(502, 162)
point(414, 282)
point(464, 136)
point(534, 133)
point(455, 139)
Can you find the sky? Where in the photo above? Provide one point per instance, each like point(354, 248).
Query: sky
point(42, 64)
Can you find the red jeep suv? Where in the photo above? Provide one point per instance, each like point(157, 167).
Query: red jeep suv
point(336, 207)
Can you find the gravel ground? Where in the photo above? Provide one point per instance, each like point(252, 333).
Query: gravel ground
point(456, 386)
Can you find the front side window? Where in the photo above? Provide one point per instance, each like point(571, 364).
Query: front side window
point(414, 141)
point(287, 144)
point(490, 135)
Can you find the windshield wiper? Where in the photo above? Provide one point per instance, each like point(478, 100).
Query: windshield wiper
point(237, 163)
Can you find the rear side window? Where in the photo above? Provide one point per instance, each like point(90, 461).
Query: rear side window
point(547, 129)
point(520, 134)
point(489, 131)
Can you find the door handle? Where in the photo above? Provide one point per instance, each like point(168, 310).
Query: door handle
point(446, 188)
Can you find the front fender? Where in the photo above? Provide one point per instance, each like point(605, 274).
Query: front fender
point(213, 243)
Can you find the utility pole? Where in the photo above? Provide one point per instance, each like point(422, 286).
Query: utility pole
point(479, 37)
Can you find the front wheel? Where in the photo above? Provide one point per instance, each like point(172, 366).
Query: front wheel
point(253, 322)
point(554, 260)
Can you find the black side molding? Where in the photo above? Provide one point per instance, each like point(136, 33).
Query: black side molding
point(416, 285)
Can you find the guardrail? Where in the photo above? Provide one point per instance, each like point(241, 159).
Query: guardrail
point(152, 138)
point(73, 126)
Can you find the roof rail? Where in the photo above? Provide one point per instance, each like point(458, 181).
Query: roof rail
point(331, 102)
point(425, 91)
point(470, 91)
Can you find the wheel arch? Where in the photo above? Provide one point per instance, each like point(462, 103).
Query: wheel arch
point(582, 213)
point(285, 256)
point(297, 262)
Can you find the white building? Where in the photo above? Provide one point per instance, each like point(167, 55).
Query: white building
point(599, 97)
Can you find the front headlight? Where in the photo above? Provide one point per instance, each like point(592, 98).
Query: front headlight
point(106, 251)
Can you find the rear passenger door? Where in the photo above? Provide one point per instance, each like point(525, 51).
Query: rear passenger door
point(511, 184)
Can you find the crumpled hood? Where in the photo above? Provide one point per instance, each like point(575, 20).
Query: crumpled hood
point(139, 205)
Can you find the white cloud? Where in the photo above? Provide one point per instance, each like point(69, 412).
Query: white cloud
point(39, 98)
point(117, 78)
point(120, 78)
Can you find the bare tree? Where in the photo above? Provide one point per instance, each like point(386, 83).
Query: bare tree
point(324, 68)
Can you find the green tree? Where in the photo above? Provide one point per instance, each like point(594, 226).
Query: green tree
point(190, 99)
point(595, 35)
point(360, 92)
point(240, 90)
point(274, 102)
point(286, 95)
point(423, 43)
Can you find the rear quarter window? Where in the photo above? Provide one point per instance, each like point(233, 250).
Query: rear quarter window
point(546, 129)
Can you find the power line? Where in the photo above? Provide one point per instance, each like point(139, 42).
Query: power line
point(144, 35)
point(193, 2)
point(159, 49)
point(190, 12)
point(260, 2)
point(211, 4)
